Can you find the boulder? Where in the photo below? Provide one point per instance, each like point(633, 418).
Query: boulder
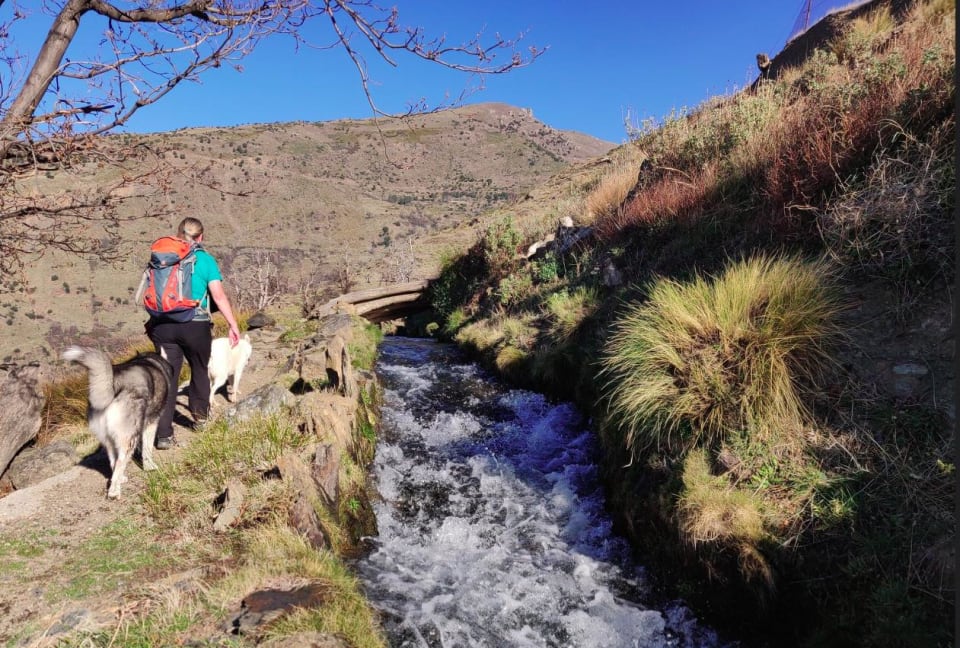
point(328, 417)
point(267, 399)
point(326, 472)
point(306, 640)
point(339, 324)
point(260, 320)
point(303, 517)
point(22, 399)
point(339, 368)
point(309, 361)
point(259, 609)
point(34, 464)
point(302, 514)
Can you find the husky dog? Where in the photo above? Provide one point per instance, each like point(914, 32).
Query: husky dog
point(125, 403)
point(226, 361)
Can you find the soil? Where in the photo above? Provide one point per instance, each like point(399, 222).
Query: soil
point(55, 518)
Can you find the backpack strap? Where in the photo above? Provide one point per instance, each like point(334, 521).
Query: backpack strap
point(142, 288)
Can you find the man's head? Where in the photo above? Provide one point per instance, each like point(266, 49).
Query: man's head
point(191, 229)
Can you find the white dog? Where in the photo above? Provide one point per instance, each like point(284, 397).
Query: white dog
point(225, 362)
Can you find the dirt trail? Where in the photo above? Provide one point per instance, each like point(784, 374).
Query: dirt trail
point(44, 525)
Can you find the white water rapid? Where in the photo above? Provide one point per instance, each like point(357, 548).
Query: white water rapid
point(492, 529)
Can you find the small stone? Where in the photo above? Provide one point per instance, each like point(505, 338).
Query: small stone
point(910, 369)
point(260, 320)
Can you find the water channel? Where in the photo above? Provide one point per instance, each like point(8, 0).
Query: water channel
point(492, 528)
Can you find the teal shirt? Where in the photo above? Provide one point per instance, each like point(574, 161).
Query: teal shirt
point(205, 270)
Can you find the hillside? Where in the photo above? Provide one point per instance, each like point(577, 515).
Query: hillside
point(314, 204)
point(754, 304)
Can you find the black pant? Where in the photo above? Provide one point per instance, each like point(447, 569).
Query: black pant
point(178, 340)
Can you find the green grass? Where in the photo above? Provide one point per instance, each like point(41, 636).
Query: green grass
point(112, 558)
point(180, 493)
point(23, 545)
point(363, 347)
point(301, 329)
point(712, 511)
point(567, 309)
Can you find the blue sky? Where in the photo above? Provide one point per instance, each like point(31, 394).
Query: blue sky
point(604, 58)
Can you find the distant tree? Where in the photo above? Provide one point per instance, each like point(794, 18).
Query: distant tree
point(103, 60)
point(261, 284)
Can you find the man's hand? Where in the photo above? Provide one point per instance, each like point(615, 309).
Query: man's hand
point(234, 336)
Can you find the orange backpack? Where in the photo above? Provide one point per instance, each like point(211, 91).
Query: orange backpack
point(168, 280)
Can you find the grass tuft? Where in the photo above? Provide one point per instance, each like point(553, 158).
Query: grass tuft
point(712, 510)
point(703, 359)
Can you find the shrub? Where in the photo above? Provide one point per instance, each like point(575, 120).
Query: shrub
point(455, 320)
point(700, 360)
point(499, 245)
point(514, 288)
point(64, 404)
point(547, 269)
point(674, 198)
point(510, 362)
point(458, 279)
point(896, 222)
point(568, 309)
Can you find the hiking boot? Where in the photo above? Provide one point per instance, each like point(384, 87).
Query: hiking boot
point(165, 443)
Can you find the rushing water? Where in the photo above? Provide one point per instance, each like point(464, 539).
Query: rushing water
point(492, 529)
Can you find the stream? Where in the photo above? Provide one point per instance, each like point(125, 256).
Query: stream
point(492, 526)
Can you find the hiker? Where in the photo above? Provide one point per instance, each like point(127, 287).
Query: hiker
point(191, 338)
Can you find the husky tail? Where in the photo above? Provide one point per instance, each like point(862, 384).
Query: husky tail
point(101, 373)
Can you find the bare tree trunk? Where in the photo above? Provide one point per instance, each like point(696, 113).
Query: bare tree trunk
point(22, 401)
point(44, 69)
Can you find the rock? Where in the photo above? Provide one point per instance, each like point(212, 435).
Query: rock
point(543, 246)
point(567, 237)
point(326, 472)
point(22, 400)
point(230, 504)
point(566, 221)
point(910, 369)
point(306, 640)
point(312, 364)
point(260, 320)
point(339, 368)
point(33, 465)
point(71, 621)
point(261, 608)
point(328, 417)
point(302, 515)
point(611, 276)
point(267, 399)
point(908, 380)
point(339, 324)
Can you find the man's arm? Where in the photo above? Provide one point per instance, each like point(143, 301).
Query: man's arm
point(219, 296)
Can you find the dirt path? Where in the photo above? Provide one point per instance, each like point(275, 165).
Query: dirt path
point(45, 528)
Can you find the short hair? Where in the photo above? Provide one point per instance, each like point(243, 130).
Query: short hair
point(190, 228)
